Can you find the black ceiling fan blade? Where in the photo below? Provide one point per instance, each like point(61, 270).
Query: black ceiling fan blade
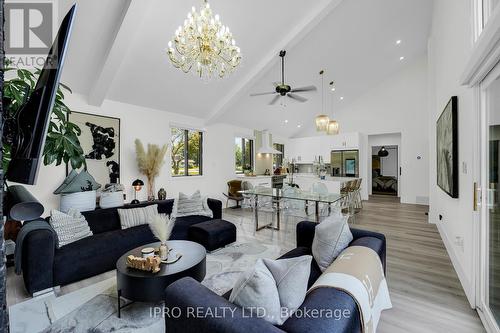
point(274, 100)
point(262, 94)
point(304, 89)
point(297, 97)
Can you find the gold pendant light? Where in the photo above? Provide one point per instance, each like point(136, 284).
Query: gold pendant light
point(333, 126)
point(322, 120)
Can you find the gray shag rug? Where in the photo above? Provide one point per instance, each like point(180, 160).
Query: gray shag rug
point(99, 313)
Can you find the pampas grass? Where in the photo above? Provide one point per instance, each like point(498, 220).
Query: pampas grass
point(161, 227)
point(150, 162)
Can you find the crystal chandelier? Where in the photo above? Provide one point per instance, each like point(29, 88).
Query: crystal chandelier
point(333, 126)
point(322, 120)
point(204, 45)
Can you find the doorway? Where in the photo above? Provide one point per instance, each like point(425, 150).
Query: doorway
point(489, 258)
point(385, 170)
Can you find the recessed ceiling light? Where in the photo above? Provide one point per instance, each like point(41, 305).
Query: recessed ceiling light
point(401, 58)
point(342, 98)
point(286, 121)
point(333, 89)
point(299, 126)
point(398, 42)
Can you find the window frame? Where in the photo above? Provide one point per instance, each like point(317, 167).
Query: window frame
point(185, 153)
point(243, 155)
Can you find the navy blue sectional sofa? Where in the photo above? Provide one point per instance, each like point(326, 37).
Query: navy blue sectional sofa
point(186, 294)
point(44, 266)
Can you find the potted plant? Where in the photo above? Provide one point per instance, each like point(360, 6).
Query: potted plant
point(62, 144)
point(150, 162)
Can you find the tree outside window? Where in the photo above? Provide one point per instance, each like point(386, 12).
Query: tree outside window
point(243, 154)
point(187, 152)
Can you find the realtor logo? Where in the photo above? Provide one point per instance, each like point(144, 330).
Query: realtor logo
point(28, 27)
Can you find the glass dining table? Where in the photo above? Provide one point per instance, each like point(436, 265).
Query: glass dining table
point(278, 196)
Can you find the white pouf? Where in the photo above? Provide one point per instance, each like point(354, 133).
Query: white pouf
point(81, 201)
point(111, 199)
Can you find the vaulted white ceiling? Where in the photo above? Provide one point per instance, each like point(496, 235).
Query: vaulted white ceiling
point(118, 52)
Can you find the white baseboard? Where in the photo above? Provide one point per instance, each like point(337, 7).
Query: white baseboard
point(466, 283)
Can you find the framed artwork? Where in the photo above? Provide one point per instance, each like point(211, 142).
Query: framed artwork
point(100, 140)
point(447, 148)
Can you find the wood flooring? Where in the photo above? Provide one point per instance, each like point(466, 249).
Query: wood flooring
point(425, 290)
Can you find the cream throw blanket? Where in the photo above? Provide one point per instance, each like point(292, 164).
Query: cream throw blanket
point(359, 272)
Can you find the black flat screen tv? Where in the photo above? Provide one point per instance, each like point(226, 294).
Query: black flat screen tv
point(34, 117)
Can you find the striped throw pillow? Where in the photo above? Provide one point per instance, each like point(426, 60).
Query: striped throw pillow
point(191, 205)
point(133, 217)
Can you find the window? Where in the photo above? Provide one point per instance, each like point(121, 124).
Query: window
point(187, 152)
point(278, 158)
point(244, 154)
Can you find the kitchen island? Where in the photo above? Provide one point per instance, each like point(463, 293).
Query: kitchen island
point(305, 181)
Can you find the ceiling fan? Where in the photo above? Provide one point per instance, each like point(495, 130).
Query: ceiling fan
point(284, 90)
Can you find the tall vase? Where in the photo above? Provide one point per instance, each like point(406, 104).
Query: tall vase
point(151, 189)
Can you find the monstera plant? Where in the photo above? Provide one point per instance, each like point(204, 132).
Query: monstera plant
point(62, 144)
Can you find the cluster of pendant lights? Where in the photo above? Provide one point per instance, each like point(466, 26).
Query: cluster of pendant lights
point(323, 122)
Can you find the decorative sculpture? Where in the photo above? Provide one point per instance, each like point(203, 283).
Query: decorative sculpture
point(149, 264)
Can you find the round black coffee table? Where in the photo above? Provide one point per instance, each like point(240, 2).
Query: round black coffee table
point(139, 286)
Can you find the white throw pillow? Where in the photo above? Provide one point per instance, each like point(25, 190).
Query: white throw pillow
point(190, 206)
point(331, 237)
point(69, 227)
point(277, 287)
point(133, 217)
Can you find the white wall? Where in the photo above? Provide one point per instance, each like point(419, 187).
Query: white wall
point(397, 105)
point(449, 47)
point(153, 126)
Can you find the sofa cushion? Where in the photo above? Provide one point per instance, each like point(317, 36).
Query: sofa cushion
point(332, 236)
point(134, 217)
point(278, 286)
point(102, 220)
point(193, 205)
point(302, 251)
point(69, 227)
point(97, 254)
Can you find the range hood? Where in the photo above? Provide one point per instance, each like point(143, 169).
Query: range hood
point(266, 147)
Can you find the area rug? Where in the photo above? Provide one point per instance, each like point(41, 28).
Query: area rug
point(94, 309)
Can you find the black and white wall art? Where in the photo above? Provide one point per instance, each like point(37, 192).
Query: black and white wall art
point(100, 140)
point(447, 149)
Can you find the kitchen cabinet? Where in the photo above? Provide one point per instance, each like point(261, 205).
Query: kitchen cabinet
point(304, 150)
point(345, 141)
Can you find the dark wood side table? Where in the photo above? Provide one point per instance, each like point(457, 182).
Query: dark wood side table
point(139, 286)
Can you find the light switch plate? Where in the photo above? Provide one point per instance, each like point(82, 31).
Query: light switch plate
point(464, 167)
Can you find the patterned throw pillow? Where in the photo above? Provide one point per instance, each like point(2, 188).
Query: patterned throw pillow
point(137, 216)
point(331, 237)
point(69, 227)
point(191, 205)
